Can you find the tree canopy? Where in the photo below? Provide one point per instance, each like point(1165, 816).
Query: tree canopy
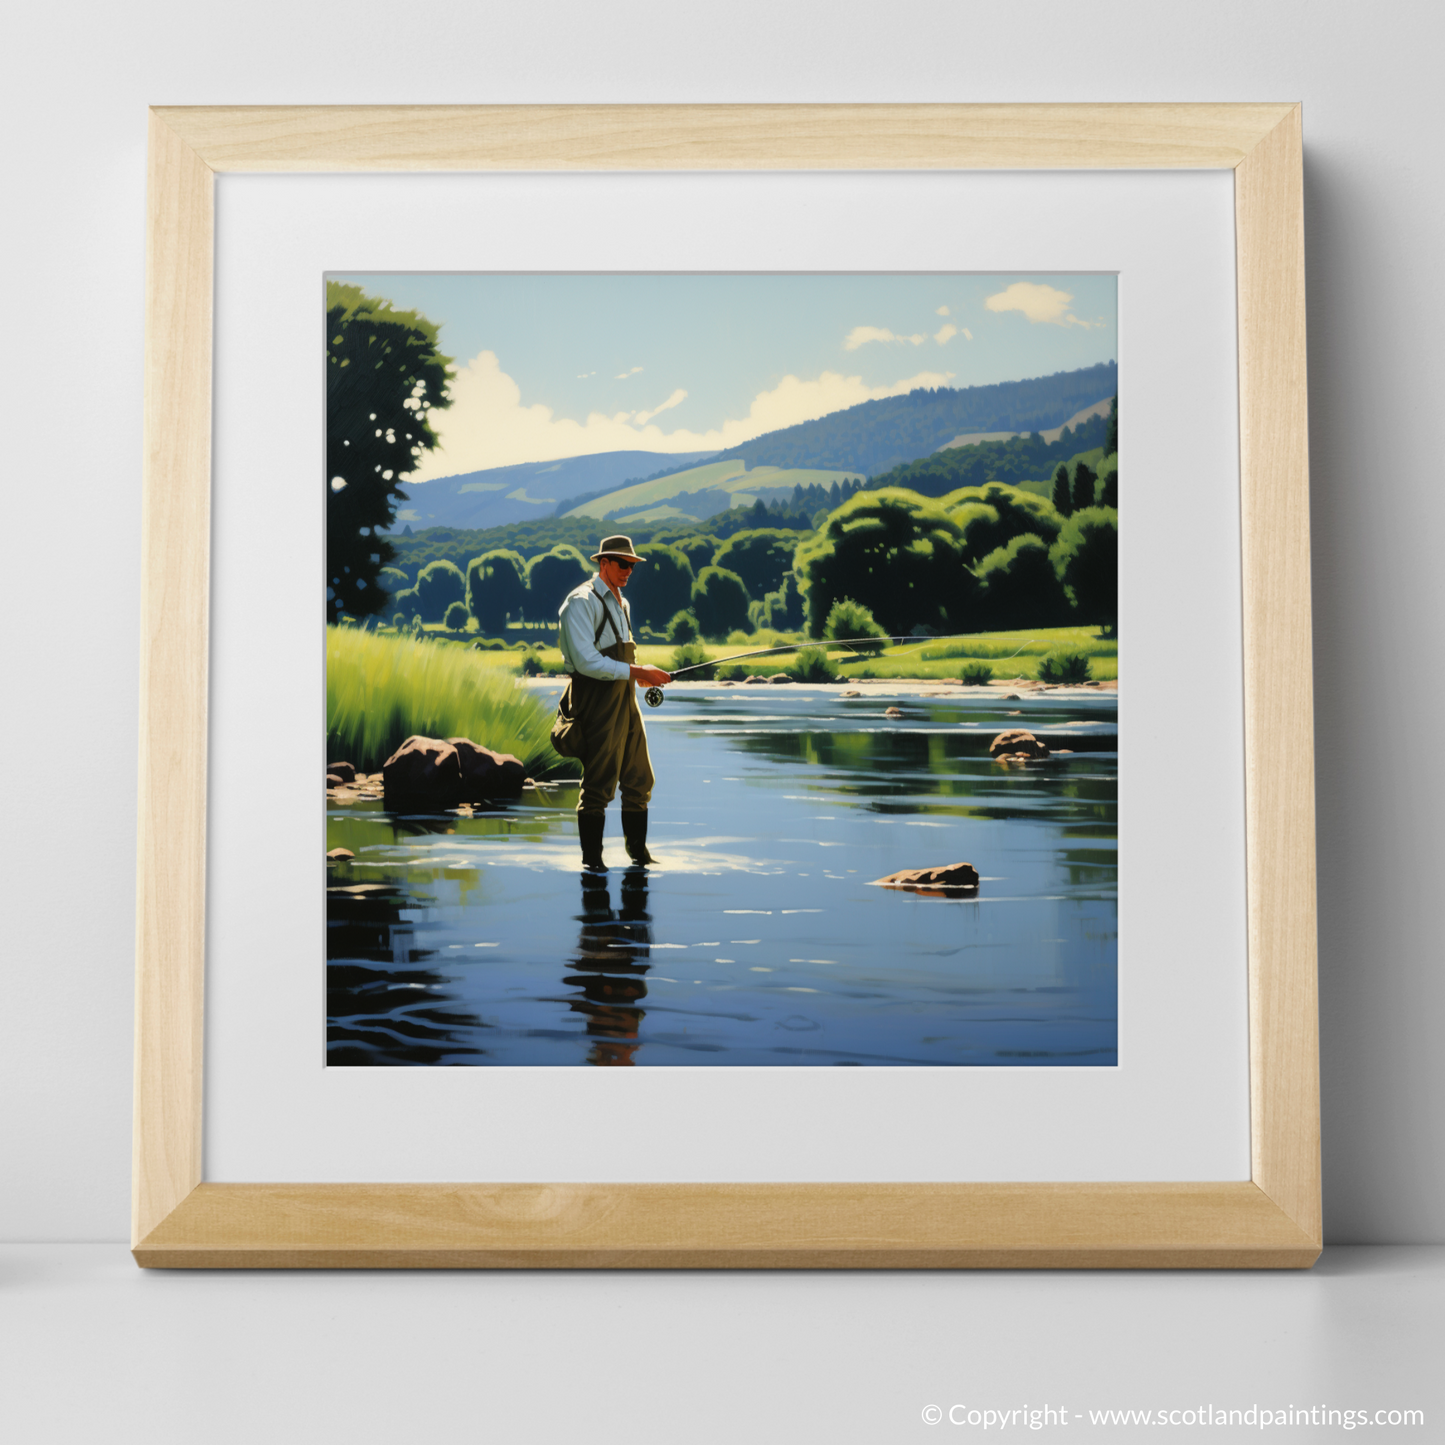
point(719, 602)
point(496, 589)
point(1086, 559)
point(660, 586)
point(384, 375)
point(550, 577)
point(761, 557)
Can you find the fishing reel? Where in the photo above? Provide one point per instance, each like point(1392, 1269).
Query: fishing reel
point(653, 696)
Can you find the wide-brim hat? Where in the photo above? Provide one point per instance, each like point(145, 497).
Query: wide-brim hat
point(617, 547)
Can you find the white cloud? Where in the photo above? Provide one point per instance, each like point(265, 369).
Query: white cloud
point(623, 375)
point(862, 335)
point(1038, 303)
point(967, 334)
point(641, 418)
point(489, 425)
point(946, 332)
point(583, 375)
point(944, 311)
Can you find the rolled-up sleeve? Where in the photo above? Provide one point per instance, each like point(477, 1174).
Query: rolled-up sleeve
point(578, 620)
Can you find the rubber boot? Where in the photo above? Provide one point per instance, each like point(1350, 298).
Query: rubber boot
point(589, 830)
point(634, 835)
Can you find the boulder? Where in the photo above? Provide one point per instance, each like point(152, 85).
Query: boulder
point(339, 855)
point(486, 774)
point(343, 772)
point(754, 677)
point(1016, 742)
point(333, 781)
point(893, 712)
point(780, 677)
point(943, 875)
point(425, 772)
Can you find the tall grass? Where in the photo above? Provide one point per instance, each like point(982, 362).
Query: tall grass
point(382, 689)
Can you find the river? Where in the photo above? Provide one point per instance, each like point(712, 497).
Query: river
point(762, 939)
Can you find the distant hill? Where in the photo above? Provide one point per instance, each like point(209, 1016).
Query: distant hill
point(698, 492)
point(877, 436)
point(498, 495)
point(1049, 434)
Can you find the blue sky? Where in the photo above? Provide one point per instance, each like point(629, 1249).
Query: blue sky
point(551, 366)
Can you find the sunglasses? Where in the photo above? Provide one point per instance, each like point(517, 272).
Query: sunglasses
point(625, 566)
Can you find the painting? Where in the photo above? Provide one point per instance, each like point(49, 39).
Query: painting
point(845, 793)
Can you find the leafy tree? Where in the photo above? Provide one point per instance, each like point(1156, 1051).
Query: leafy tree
point(496, 589)
point(550, 577)
point(1020, 586)
point(383, 375)
point(719, 602)
point(1086, 559)
point(698, 550)
point(848, 619)
point(456, 618)
point(1109, 488)
point(992, 515)
point(1111, 437)
point(783, 610)
point(896, 553)
point(438, 585)
point(1063, 502)
point(393, 579)
point(682, 629)
point(1083, 490)
point(661, 585)
point(406, 600)
point(761, 557)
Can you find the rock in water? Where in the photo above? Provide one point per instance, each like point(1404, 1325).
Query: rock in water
point(339, 855)
point(780, 677)
point(1016, 742)
point(423, 771)
point(486, 774)
point(343, 772)
point(944, 875)
point(893, 712)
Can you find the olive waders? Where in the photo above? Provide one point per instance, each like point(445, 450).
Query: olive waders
point(615, 752)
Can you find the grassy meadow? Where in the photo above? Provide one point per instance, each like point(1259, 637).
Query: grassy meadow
point(380, 689)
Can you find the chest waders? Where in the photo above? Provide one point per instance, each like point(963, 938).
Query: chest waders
point(614, 753)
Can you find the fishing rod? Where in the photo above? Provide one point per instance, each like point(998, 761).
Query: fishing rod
point(653, 695)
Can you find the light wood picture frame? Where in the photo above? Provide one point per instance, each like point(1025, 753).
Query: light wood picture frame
point(1272, 1220)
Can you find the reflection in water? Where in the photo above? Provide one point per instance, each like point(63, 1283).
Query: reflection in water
point(382, 1007)
point(457, 937)
point(611, 959)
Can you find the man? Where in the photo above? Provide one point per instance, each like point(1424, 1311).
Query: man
point(595, 635)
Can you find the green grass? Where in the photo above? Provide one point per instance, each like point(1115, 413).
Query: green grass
point(381, 689)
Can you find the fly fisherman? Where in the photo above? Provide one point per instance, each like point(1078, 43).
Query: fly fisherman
point(595, 636)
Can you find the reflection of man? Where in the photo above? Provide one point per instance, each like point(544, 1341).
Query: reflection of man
point(595, 636)
point(610, 968)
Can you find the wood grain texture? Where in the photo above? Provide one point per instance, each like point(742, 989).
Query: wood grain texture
point(175, 570)
point(1279, 704)
point(1271, 1222)
point(720, 137)
point(705, 1226)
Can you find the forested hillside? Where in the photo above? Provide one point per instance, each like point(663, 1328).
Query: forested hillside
point(877, 436)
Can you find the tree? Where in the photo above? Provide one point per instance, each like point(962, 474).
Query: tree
point(456, 618)
point(997, 513)
point(384, 375)
point(698, 550)
point(661, 584)
point(783, 610)
point(393, 579)
point(1063, 502)
point(438, 585)
point(761, 557)
point(1111, 437)
point(1109, 489)
point(550, 577)
point(496, 589)
point(1083, 492)
point(719, 602)
point(896, 553)
point(1086, 559)
point(682, 629)
point(1020, 586)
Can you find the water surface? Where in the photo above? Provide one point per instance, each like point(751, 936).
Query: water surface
point(762, 939)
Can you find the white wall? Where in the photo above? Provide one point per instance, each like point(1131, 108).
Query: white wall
point(78, 80)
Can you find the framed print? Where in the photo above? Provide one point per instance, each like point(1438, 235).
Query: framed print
point(1068, 1140)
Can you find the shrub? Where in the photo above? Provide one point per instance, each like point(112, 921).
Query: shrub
point(719, 602)
point(456, 618)
point(690, 655)
point(732, 672)
point(847, 618)
point(438, 585)
point(812, 665)
point(976, 674)
point(1065, 665)
point(398, 620)
point(682, 629)
point(532, 664)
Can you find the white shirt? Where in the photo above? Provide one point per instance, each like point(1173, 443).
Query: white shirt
point(582, 609)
